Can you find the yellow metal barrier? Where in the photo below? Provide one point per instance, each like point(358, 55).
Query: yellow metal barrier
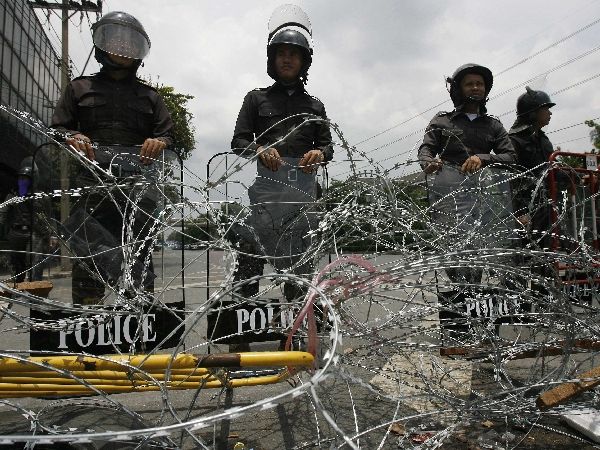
point(113, 374)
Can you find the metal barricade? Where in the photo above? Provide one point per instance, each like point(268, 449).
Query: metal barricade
point(269, 218)
point(573, 191)
point(471, 223)
point(118, 211)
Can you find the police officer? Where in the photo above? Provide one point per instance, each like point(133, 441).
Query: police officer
point(457, 144)
point(108, 108)
point(26, 226)
point(277, 125)
point(467, 136)
point(533, 150)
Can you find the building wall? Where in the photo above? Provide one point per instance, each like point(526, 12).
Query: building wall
point(29, 80)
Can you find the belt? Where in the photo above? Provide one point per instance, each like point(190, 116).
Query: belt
point(120, 171)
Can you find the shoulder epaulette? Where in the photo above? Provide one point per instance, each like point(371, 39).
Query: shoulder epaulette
point(83, 77)
point(315, 98)
point(260, 89)
point(443, 113)
point(312, 96)
point(519, 129)
point(496, 118)
point(145, 83)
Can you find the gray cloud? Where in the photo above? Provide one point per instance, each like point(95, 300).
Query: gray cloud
point(376, 64)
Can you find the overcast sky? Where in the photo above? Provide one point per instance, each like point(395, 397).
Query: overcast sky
point(376, 64)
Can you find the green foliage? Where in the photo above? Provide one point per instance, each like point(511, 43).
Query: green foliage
point(177, 104)
point(571, 161)
point(369, 198)
point(231, 210)
point(595, 133)
point(194, 234)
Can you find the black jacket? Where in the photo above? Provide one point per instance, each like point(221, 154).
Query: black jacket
point(533, 150)
point(265, 108)
point(109, 111)
point(454, 137)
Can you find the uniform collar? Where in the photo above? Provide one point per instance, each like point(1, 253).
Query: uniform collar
point(128, 79)
point(277, 86)
point(458, 112)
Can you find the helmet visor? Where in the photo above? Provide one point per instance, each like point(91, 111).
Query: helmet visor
point(121, 40)
point(290, 17)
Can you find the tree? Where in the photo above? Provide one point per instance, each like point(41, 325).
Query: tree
point(571, 161)
point(595, 133)
point(183, 129)
point(183, 132)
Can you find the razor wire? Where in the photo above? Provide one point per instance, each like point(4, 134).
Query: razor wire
point(428, 308)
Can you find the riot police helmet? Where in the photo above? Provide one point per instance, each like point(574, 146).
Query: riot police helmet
point(289, 25)
point(119, 33)
point(531, 101)
point(27, 167)
point(454, 83)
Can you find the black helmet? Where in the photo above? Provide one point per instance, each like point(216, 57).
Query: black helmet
point(290, 25)
point(458, 75)
point(27, 168)
point(121, 34)
point(290, 37)
point(531, 101)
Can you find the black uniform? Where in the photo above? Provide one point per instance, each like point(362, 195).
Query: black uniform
point(25, 223)
point(261, 110)
point(533, 150)
point(109, 112)
point(454, 137)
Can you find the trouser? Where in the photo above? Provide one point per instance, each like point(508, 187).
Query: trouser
point(223, 320)
point(108, 235)
point(24, 258)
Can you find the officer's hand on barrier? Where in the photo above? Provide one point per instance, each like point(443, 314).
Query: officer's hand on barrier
point(524, 219)
point(587, 178)
point(82, 144)
point(151, 150)
point(311, 160)
point(433, 167)
point(270, 158)
point(472, 164)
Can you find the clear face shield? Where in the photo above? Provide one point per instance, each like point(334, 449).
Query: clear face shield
point(290, 17)
point(121, 40)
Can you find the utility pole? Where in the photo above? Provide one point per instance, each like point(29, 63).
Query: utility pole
point(66, 7)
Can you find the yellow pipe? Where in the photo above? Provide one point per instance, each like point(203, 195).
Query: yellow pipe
point(112, 362)
point(109, 374)
point(159, 362)
point(123, 381)
point(49, 390)
point(261, 359)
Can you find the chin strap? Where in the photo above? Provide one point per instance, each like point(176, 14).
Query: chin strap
point(110, 66)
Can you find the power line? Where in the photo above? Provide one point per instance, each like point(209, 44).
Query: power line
point(420, 131)
point(570, 126)
point(560, 91)
point(522, 61)
point(554, 44)
point(553, 69)
point(573, 140)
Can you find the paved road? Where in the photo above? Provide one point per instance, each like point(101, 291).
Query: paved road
point(389, 369)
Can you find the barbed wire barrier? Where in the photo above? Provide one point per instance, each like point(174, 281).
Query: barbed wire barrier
point(395, 310)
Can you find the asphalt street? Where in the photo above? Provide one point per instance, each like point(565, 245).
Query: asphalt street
point(389, 336)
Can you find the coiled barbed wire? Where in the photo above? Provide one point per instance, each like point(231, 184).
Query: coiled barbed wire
point(403, 331)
